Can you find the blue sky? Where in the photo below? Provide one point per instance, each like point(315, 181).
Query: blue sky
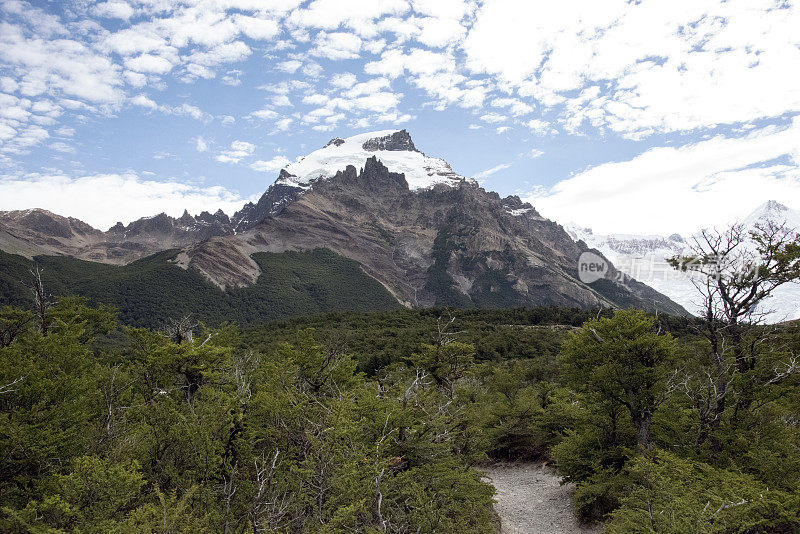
point(640, 117)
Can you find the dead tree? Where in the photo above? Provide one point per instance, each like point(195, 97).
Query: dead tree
point(181, 330)
point(41, 301)
point(737, 272)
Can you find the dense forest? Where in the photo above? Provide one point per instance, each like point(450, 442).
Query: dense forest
point(150, 291)
point(380, 422)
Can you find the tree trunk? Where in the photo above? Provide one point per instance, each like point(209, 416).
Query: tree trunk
point(642, 423)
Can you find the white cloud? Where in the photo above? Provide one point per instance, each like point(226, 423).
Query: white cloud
point(354, 14)
point(237, 151)
point(281, 101)
point(488, 172)
point(200, 62)
point(672, 65)
point(678, 189)
point(149, 63)
point(515, 106)
point(200, 144)
point(289, 66)
point(273, 165)
point(185, 109)
point(256, 27)
point(540, 127)
point(283, 124)
point(103, 199)
point(493, 118)
point(59, 66)
point(232, 78)
point(452, 9)
point(264, 114)
point(395, 62)
point(338, 45)
point(343, 80)
point(115, 9)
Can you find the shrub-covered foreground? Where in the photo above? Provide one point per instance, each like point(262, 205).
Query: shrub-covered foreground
point(376, 423)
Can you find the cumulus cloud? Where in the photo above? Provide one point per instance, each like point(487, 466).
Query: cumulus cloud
point(200, 144)
point(115, 9)
point(185, 109)
point(338, 45)
point(354, 14)
point(273, 165)
point(679, 189)
point(237, 151)
point(642, 67)
point(493, 118)
point(103, 199)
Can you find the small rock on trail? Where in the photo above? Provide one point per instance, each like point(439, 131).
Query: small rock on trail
point(531, 500)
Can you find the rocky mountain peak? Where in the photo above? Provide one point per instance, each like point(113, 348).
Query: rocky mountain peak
point(773, 205)
point(336, 141)
point(395, 141)
point(393, 149)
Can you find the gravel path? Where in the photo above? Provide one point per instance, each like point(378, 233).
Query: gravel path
point(531, 500)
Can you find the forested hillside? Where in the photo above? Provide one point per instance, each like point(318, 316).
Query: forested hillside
point(151, 291)
point(380, 422)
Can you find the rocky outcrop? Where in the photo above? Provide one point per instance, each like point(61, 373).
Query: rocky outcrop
point(278, 196)
point(396, 141)
point(454, 246)
point(40, 232)
point(429, 235)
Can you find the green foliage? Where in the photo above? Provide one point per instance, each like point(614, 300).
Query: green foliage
point(439, 282)
point(621, 360)
point(674, 495)
point(151, 291)
point(354, 422)
point(154, 435)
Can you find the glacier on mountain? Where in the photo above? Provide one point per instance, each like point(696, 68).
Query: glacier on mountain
point(393, 148)
point(644, 257)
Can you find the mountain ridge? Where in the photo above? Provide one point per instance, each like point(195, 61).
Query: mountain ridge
point(430, 236)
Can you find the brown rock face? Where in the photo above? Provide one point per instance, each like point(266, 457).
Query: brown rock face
point(459, 246)
point(34, 232)
point(450, 245)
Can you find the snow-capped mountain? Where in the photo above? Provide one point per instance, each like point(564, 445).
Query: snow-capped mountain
point(430, 236)
point(644, 257)
point(394, 149)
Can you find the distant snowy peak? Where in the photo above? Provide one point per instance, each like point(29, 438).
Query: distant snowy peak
point(628, 244)
point(394, 149)
point(644, 257)
point(775, 212)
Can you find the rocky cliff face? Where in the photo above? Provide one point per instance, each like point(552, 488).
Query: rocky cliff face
point(454, 245)
point(428, 234)
point(34, 232)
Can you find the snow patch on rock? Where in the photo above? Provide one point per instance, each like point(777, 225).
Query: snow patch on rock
point(393, 148)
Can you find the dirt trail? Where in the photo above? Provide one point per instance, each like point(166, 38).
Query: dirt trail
point(531, 500)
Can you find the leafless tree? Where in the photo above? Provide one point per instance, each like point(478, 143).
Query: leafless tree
point(11, 386)
point(41, 301)
point(736, 273)
point(181, 330)
point(270, 506)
